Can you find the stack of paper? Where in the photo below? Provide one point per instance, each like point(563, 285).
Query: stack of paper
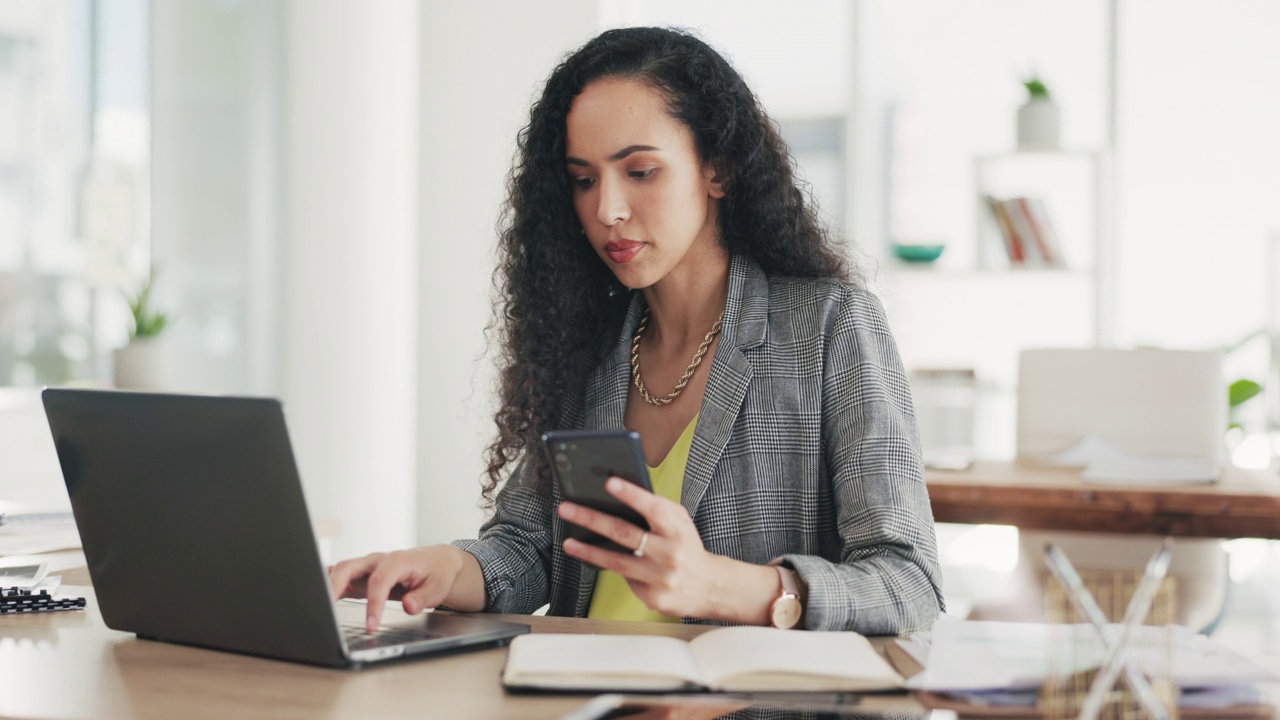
point(1019, 657)
point(1106, 463)
point(22, 574)
point(27, 530)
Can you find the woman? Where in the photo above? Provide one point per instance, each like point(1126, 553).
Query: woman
point(656, 239)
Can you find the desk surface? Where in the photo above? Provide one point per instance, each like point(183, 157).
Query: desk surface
point(1244, 503)
point(70, 665)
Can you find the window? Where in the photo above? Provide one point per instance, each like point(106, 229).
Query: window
point(74, 182)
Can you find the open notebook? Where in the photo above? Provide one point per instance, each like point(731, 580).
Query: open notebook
point(732, 659)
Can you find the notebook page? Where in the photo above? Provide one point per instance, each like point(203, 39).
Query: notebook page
point(614, 661)
point(793, 658)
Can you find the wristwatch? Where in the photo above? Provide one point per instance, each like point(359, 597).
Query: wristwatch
point(786, 609)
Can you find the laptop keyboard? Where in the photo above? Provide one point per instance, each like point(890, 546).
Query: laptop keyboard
point(358, 639)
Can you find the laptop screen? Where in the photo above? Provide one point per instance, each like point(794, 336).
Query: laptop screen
point(193, 522)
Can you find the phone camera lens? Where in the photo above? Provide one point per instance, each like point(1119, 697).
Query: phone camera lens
point(562, 463)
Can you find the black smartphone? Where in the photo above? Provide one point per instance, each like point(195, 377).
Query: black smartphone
point(582, 460)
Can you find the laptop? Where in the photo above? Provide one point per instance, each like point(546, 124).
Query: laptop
point(192, 517)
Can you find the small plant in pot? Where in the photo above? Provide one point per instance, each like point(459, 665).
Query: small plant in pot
point(1039, 118)
point(143, 363)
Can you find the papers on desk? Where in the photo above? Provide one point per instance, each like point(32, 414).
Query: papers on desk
point(30, 531)
point(22, 574)
point(1017, 658)
point(34, 543)
point(1106, 463)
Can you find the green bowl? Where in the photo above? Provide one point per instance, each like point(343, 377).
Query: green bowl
point(918, 253)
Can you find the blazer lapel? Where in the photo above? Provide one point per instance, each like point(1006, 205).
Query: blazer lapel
point(746, 317)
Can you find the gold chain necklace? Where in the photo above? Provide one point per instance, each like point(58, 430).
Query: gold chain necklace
point(688, 373)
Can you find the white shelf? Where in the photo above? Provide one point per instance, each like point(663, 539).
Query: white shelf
point(901, 268)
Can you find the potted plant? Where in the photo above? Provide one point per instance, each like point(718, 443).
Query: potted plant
point(1238, 393)
point(1039, 118)
point(143, 363)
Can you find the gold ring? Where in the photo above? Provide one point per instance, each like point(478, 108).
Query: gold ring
point(639, 551)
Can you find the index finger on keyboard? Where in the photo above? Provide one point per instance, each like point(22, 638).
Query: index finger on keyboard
point(382, 581)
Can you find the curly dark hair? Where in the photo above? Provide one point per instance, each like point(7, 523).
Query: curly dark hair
point(557, 301)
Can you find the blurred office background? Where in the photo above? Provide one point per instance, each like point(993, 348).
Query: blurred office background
point(318, 184)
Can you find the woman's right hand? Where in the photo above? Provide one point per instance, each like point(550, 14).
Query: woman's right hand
point(420, 578)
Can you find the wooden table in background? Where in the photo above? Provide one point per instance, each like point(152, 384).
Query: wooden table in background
point(1244, 503)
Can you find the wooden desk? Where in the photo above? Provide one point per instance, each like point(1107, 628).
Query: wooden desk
point(1244, 503)
point(69, 665)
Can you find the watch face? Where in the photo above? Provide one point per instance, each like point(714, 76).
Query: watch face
point(786, 612)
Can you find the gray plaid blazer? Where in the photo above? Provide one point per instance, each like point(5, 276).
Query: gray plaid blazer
point(806, 450)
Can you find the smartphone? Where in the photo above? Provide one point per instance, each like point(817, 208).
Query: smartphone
point(582, 460)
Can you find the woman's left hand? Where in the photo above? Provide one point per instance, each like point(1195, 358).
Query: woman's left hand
point(675, 575)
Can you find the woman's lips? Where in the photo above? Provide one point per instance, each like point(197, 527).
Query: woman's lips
point(622, 251)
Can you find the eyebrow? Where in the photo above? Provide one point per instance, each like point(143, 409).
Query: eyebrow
point(624, 152)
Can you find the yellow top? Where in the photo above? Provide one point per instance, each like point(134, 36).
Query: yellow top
point(613, 598)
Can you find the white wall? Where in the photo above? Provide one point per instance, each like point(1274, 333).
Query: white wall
point(30, 474)
point(482, 64)
point(1199, 169)
point(793, 55)
point(206, 58)
point(349, 352)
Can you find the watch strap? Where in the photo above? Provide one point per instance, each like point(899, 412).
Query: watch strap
point(787, 609)
point(789, 585)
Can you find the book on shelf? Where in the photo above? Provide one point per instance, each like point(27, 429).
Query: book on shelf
point(1028, 235)
point(731, 659)
point(1012, 244)
point(1043, 231)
